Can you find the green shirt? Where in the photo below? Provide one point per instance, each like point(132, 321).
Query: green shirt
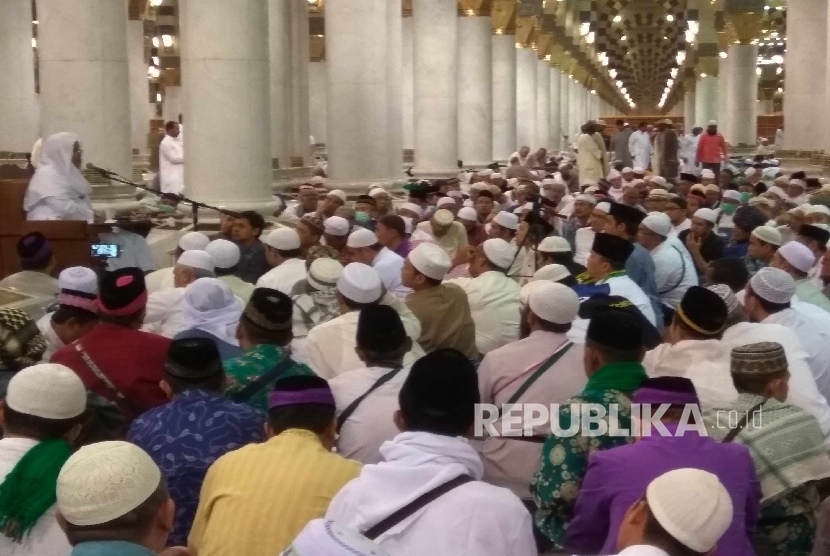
point(252, 364)
point(808, 292)
point(564, 461)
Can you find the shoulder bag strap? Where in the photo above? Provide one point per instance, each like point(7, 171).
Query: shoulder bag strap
point(420, 502)
point(682, 272)
point(343, 417)
point(535, 376)
point(742, 423)
point(252, 388)
point(123, 401)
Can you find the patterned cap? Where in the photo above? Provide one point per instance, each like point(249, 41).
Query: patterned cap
point(269, 310)
point(764, 358)
point(21, 343)
point(193, 359)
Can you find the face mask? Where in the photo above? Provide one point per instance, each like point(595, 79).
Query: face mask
point(745, 197)
point(728, 208)
point(362, 217)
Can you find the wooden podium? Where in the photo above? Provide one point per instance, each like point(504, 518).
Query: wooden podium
point(70, 239)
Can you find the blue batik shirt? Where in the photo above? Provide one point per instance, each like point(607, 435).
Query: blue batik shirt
point(185, 437)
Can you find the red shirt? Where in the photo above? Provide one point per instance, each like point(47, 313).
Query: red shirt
point(131, 359)
point(711, 149)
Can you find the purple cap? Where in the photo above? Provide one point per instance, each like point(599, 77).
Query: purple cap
point(283, 398)
point(657, 396)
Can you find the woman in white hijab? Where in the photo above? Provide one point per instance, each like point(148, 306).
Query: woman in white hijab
point(211, 310)
point(58, 190)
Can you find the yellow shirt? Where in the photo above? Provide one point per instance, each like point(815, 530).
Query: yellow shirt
point(255, 500)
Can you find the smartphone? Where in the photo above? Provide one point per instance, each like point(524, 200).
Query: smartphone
point(106, 250)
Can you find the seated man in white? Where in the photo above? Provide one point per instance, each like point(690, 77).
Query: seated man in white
point(283, 253)
point(162, 279)
point(364, 247)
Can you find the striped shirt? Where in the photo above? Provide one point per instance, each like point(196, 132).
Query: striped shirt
point(255, 500)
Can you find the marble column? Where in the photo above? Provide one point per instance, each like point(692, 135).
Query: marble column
point(526, 62)
point(475, 102)
point(84, 77)
point(806, 48)
point(555, 121)
point(226, 101)
point(543, 104)
point(172, 104)
point(394, 85)
point(565, 137)
point(358, 149)
point(743, 95)
point(300, 131)
point(408, 83)
point(706, 100)
point(317, 86)
point(279, 41)
point(504, 96)
point(19, 110)
point(689, 111)
point(436, 89)
point(724, 77)
point(139, 88)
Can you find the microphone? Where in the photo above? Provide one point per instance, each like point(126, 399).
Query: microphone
point(102, 171)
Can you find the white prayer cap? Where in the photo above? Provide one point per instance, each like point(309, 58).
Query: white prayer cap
point(479, 186)
point(732, 194)
point(193, 241)
point(527, 289)
point(468, 203)
point(442, 217)
point(104, 481)
point(554, 303)
point(773, 284)
point(551, 272)
point(360, 283)
point(468, 213)
point(499, 252)
point(80, 279)
point(726, 294)
point(710, 123)
point(284, 239)
point(324, 273)
point(337, 193)
point(604, 207)
point(48, 391)
point(798, 255)
point(818, 209)
point(196, 259)
point(706, 214)
point(317, 180)
point(554, 244)
point(495, 176)
point(361, 238)
point(431, 261)
point(585, 198)
point(548, 181)
point(225, 254)
point(778, 192)
point(692, 506)
point(445, 201)
point(658, 223)
point(659, 180)
point(749, 171)
point(512, 182)
point(799, 209)
point(781, 180)
point(413, 208)
point(336, 226)
point(634, 182)
point(658, 193)
point(612, 175)
point(712, 188)
point(507, 220)
point(327, 538)
point(798, 183)
point(766, 201)
point(407, 224)
point(638, 170)
point(486, 172)
point(590, 190)
point(707, 174)
point(768, 234)
point(377, 191)
point(455, 194)
point(627, 170)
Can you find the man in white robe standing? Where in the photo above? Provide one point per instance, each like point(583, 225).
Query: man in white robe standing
point(171, 160)
point(639, 144)
point(688, 151)
point(589, 157)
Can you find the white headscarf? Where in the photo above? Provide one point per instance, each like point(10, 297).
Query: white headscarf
point(211, 306)
point(56, 176)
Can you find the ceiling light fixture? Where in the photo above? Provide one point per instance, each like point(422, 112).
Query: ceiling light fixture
point(617, 18)
point(670, 17)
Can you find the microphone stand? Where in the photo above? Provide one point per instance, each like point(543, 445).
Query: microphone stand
point(195, 205)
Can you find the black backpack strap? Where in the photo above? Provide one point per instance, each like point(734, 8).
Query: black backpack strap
point(341, 419)
point(550, 362)
point(423, 500)
point(252, 388)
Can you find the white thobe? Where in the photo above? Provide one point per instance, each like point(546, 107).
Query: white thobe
point(616, 193)
point(46, 537)
point(779, 138)
point(284, 277)
point(330, 346)
point(494, 305)
point(639, 144)
point(803, 391)
point(161, 279)
point(584, 241)
point(171, 165)
point(388, 265)
point(53, 341)
point(685, 225)
point(164, 313)
point(53, 208)
point(688, 150)
point(589, 161)
point(815, 337)
point(643, 550)
point(628, 288)
point(371, 424)
point(674, 271)
point(705, 362)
